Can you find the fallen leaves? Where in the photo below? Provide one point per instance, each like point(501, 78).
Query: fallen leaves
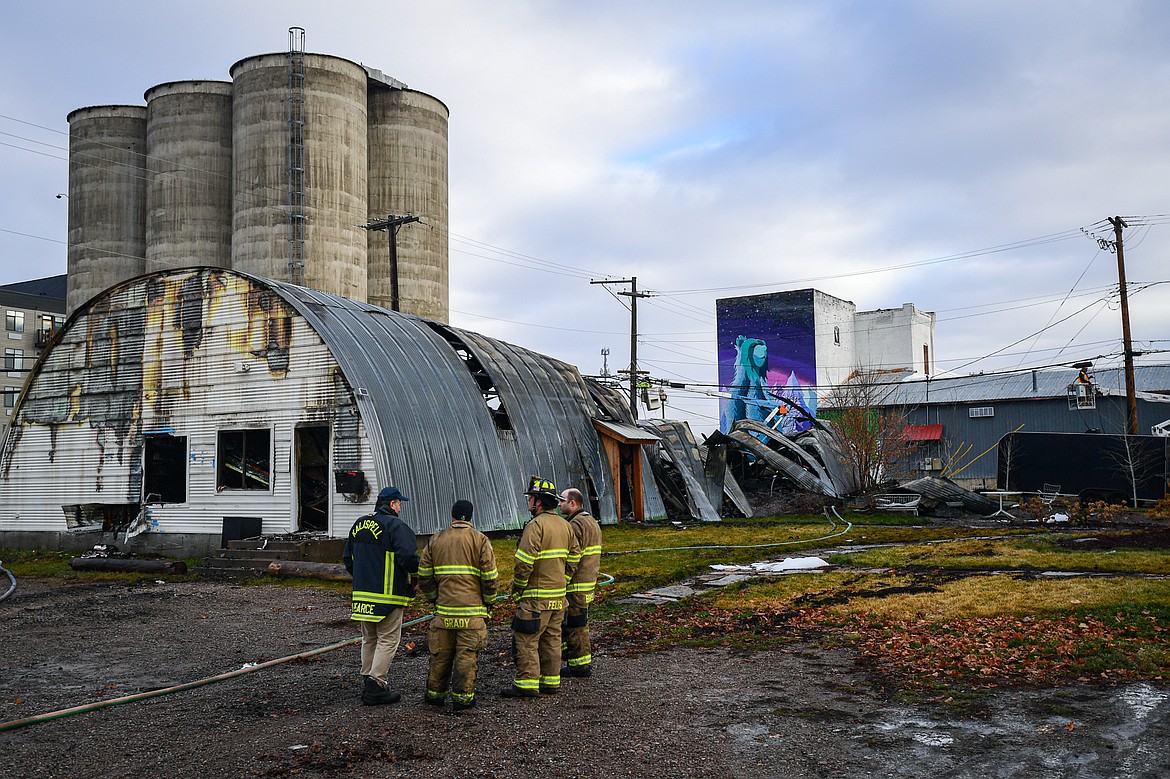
point(918, 651)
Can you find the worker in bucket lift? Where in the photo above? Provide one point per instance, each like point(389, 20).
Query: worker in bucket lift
point(382, 555)
point(576, 649)
point(457, 572)
point(546, 559)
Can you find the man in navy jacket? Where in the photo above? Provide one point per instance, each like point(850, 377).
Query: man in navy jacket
point(382, 555)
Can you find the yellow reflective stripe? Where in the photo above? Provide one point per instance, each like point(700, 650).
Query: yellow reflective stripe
point(582, 587)
point(578, 661)
point(388, 568)
point(366, 618)
point(527, 684)
point(455, 611)
point(558, 593)
point(574, 558)
point(524, 557)
point(461, 611)
point(552, 554)
point(595, 549)
point(380, 597)
point(451, 570)
point(426, 571)
point(490, 575)
point(550, 681)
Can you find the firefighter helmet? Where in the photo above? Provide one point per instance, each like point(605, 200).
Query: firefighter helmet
point(539, 486)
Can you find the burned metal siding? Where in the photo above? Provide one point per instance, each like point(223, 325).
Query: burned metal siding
point(192, 352)
point(183, 353)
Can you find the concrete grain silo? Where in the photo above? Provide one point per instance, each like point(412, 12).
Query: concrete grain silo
point(189, 175)
point(308, 172)
point(107, 199)
point(408, 175)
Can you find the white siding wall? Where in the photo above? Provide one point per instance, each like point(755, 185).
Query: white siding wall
point(888, 339)
point(124, 368)
point(836, 357)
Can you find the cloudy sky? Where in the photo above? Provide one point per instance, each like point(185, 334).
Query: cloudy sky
point(962, 156)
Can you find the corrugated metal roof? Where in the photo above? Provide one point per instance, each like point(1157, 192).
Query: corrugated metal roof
point(436, 437)
point(1039, 384)
point(628, 432)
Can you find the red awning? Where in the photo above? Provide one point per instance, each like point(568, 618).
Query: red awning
point(922, 432)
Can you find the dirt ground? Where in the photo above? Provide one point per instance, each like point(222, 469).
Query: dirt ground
point(800, 711)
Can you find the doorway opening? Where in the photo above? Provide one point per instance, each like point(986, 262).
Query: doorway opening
point(312, 459)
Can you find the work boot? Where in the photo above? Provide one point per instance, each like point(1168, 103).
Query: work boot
point(548, 689)
point(463, 705)
point(435, 701)
point(374, 694)
point(512, 691)
point(578, 671)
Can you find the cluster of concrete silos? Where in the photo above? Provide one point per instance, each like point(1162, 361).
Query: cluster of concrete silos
point(202, 175)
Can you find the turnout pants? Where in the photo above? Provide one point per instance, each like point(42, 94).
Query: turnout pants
point(577, 651)
point(455, 660)
point(536, 644)
point(379, 645)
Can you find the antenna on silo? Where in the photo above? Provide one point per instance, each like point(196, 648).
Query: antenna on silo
point(296, 155)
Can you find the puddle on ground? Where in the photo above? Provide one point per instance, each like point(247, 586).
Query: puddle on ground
point(747, 731)
point(1142, 699)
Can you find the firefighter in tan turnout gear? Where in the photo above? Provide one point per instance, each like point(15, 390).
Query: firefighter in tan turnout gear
point(546, 558)
point(457, 572)
point(587, 531)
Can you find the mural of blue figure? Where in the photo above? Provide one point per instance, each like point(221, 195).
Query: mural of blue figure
point(749, 389)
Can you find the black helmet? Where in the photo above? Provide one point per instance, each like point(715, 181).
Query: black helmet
point(539, 486)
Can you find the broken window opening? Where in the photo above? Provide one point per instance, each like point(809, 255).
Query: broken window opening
point(244, 459)
point(483, 379)
point(164, 472)
point(100, 517)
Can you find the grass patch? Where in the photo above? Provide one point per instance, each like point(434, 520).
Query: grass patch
point(1030, 552)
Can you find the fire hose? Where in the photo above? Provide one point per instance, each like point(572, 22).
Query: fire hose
point(20, 723)
point(249, 668)
point(12, 588)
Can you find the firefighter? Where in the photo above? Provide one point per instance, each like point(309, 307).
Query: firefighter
point(458, 574)
point(587, 531)
point(382, 555)
point(546, 558)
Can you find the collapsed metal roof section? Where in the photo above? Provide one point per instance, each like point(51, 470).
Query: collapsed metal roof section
point(679, 454)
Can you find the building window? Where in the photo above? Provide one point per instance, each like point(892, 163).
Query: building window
point(14, 321)
point(164, 477)
point(244, 460)
point(980, 411)
point(10, 394)
point(13, 360)
point(837, 335)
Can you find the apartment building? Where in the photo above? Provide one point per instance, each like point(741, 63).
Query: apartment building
point(33, 312)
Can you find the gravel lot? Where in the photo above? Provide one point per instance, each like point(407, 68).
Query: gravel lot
point(801, 711)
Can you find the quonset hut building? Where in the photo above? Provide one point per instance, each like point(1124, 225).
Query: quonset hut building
point(184, 401)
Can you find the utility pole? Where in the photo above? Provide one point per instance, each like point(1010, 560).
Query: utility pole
point(633, 295)
point(391, 225)
point(1126, 342)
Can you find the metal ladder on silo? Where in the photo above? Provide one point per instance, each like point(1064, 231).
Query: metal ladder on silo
point(296, 155)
